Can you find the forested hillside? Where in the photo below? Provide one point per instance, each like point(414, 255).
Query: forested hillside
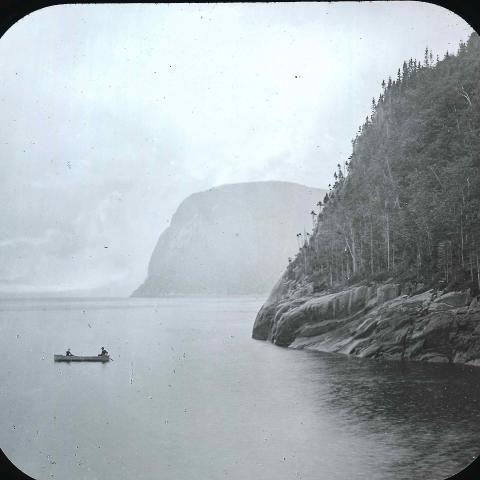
point(406, 204)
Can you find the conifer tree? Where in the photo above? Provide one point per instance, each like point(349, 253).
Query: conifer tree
point(407, 202)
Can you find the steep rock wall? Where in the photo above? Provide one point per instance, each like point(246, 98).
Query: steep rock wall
point(376, 321)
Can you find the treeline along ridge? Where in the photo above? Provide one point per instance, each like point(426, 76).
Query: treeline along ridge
point(406, 203)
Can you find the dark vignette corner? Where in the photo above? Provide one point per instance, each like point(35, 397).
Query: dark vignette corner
point(12, 11)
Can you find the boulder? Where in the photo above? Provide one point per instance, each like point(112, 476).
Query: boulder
point(387, 292)
point(455, 299)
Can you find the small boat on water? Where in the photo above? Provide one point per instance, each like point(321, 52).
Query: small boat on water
point(80, 358)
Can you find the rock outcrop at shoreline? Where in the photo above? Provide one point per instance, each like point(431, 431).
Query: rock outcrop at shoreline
point(374, 321)
point(402, 209)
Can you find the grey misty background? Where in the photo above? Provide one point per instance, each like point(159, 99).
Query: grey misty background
point(232, 239)
point(112, 115)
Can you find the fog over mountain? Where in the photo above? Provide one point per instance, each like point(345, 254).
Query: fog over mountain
point(232, 239)
point(113, 114)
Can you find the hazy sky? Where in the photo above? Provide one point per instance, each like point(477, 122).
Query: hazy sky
point(113, 114)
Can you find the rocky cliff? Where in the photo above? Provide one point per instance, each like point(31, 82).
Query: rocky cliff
point(392, 267)
point(232, 239)
point(387, 320)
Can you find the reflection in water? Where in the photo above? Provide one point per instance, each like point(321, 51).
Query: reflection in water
point(190, 395)
point(432, 411)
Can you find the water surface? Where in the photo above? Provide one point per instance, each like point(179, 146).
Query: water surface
point(189, 395)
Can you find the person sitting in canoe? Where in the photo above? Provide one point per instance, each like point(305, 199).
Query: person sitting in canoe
point(103, 353)
point(68, 353)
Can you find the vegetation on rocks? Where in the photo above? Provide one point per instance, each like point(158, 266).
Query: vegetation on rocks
point(406, 203)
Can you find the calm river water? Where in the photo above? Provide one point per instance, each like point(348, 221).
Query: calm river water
point(189, 395)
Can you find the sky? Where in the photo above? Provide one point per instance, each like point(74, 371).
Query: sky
point(113, 114)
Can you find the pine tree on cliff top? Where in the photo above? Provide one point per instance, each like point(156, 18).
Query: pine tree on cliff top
point(408, 206)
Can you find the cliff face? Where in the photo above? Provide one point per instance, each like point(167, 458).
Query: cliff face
point(405, 207)
point(375, 321)
point(232, 239)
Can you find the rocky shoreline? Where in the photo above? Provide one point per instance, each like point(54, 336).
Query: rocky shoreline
point(374, 321)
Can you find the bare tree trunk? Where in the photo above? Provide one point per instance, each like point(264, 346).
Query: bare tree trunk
point(461, 241)
point(438, 179)
point(465, 95)
point(419, 262)
point(478, 272)
point(389, 170)
point(354, 251)
point(456, 118)
point(351, 250)
point(350, 246)
point(363, 236)
point(462, 245)
point(448, 260)
point(371, 247)
point(471, 268)
point(393, 256)
point(332, 259)
point(388, 239)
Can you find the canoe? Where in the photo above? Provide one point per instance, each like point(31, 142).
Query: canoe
point(79, 358)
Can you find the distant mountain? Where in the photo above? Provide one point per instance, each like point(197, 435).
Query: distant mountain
point(232, 239)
